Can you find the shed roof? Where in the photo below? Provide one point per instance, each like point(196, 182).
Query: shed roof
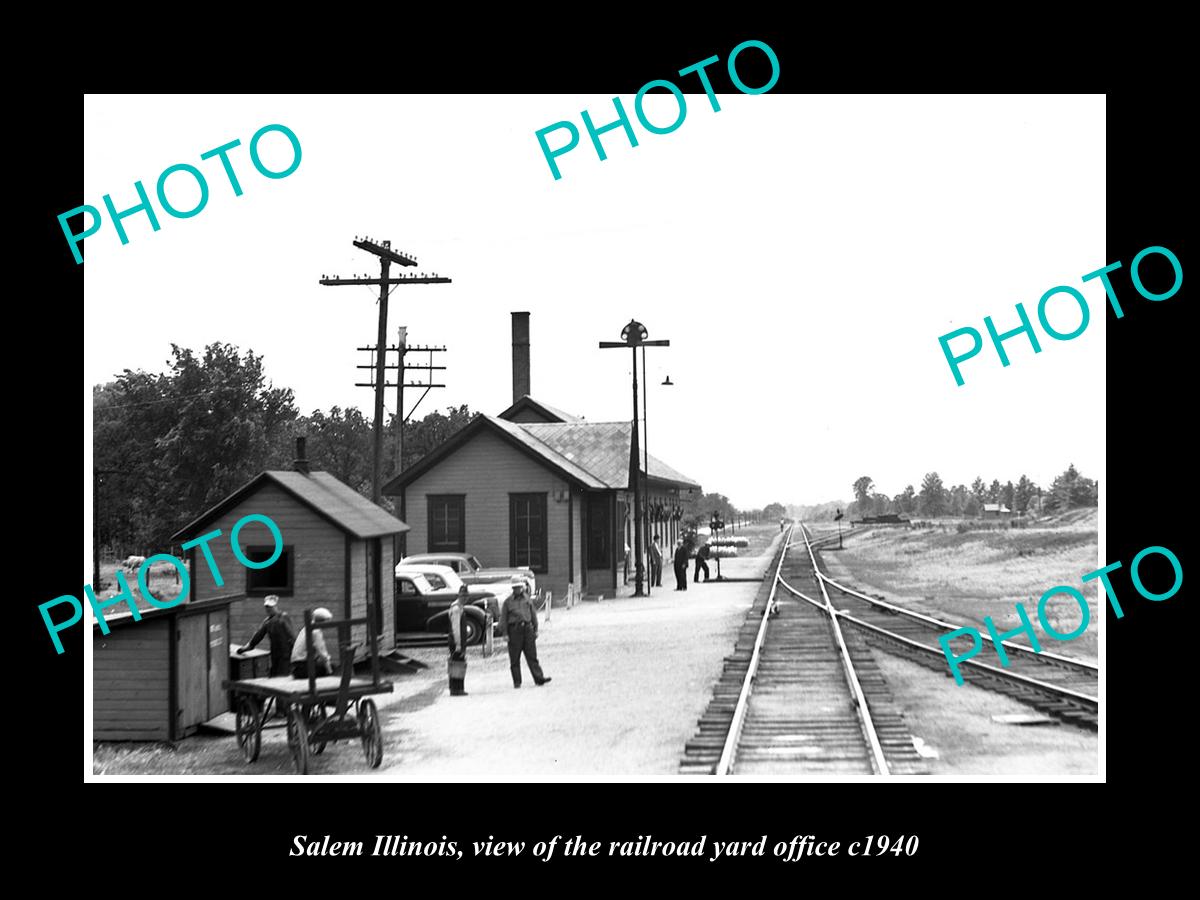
point(334, 500)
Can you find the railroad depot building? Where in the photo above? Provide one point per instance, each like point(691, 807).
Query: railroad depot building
point(339, 550)
point(534, 486)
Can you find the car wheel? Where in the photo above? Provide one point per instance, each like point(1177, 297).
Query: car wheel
point(472, 630)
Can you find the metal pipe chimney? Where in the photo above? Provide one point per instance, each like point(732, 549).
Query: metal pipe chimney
point(520, 355)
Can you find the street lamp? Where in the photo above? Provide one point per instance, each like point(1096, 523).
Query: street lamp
point(635, 335)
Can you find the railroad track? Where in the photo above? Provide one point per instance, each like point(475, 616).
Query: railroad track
point(1055, 685)
point(799, 696)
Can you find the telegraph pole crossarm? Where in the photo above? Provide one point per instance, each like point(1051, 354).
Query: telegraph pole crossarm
point(386, 255)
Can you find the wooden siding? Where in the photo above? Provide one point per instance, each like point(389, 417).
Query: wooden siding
point(131, 683)
point(319, 549)
point(487, 469)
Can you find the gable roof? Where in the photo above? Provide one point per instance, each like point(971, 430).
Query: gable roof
point(602, 448)
point(333, 500)
point(545, 410)
point(592, 455)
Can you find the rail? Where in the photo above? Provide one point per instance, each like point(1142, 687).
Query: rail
point(1043, 686)
point(725, 763)
point(864, 713)
point(929, 620)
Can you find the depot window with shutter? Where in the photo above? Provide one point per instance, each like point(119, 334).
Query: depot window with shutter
point(447, 533)
point(277, 578)
point(527, 531)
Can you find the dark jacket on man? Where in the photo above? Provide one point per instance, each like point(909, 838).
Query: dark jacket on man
point(279, 629)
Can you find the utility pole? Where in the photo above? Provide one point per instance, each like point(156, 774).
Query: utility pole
point(401, 345)
point(387, 256)
point(400, 384)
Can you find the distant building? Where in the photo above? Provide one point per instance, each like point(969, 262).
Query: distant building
point(538, 487)
point(995, 511)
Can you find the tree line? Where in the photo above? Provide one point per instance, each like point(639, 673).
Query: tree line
point(698, 511)
point(1069, 490)
point(167, 446)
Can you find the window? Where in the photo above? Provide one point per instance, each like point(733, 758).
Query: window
point(446, 523)
point(527, 531)
point(407, 588)
point(277, 578)
point(599, 532)
point(436, 582)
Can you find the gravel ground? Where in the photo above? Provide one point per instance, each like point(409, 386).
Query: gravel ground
point(630, 679)
point(957, 722)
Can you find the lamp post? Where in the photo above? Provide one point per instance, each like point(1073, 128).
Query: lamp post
point(633, 336)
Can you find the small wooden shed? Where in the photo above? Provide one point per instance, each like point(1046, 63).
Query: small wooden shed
point(339, 551)
point(158, 678)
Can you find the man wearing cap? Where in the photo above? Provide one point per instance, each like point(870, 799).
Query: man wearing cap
point(518, 622)
point(300, 648)
point(278, 627)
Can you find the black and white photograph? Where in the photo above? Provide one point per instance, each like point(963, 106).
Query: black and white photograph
point(768, 446)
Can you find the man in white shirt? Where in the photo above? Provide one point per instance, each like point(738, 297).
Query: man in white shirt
point(300, 648)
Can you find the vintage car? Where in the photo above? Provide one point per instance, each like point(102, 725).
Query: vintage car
point(424, 593)
point(472, 571)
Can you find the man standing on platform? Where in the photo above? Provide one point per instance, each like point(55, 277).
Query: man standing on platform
point(518, 622)
point(656, 562)
point(682, 548)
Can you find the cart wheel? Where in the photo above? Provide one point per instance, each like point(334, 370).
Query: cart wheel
point(298, 739)
point(316, 718)
point(372, 733)
point(249, 728)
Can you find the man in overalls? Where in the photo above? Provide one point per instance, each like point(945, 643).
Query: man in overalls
point(518, 622)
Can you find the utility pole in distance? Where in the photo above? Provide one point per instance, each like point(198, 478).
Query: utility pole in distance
point(401, 368)
point(387, 256)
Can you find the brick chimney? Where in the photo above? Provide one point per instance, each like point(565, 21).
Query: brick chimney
point(300, 463)
point(520, 355)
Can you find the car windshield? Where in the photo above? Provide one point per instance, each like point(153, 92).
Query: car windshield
point(475, 564)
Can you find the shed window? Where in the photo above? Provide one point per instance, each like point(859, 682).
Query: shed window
point(447, 533)
point(277, 578)
point(527, 531)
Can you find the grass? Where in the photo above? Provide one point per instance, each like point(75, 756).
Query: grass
point(160, 580)
point(963, 577)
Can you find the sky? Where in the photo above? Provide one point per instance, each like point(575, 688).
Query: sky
point(803, 254)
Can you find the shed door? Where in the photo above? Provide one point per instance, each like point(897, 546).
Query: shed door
point(192, 660)
point(218, 662)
